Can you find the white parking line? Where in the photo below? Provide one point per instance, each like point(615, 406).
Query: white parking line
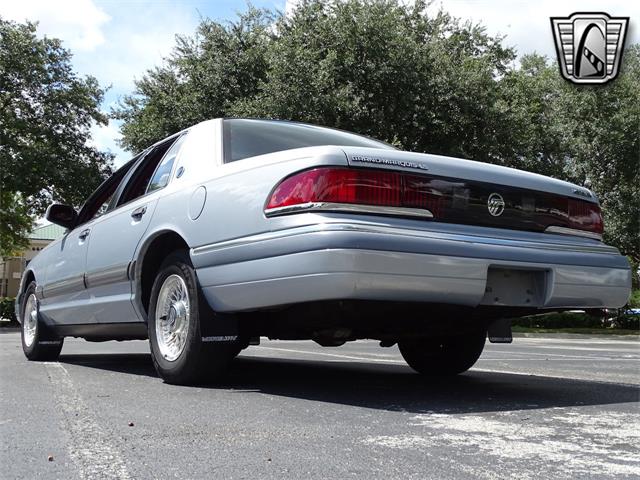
point(90, 447)
point(633, 340)
point(336, 355)
point(402, 362)
point(612, 355)
point(589, 349)
point(389, 360)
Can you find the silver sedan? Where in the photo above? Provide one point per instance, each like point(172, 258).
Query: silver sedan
point(238, 228)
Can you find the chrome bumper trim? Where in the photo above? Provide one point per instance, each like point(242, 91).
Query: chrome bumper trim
point(404, 232)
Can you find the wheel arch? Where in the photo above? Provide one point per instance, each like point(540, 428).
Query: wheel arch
point(151, 254)
point(27, 277)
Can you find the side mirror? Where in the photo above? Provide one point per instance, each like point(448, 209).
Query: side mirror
point(62, 215)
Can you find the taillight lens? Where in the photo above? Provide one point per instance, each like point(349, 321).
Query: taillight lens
point(353, 186)
point(445, 199)
point(333, 185)
point(584, 216)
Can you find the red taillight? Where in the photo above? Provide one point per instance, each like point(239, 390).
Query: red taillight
point(419, 192)
point(354, 186)
point(584, 216)
point(452, 200)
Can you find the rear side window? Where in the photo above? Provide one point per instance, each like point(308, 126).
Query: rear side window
point(244, 138)
point(161, 176)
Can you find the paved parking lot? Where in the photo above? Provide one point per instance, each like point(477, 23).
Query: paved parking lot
point(539, 408)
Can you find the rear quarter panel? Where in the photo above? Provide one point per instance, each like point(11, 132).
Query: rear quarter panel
point(236, 196)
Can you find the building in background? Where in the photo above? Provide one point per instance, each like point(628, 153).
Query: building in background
point(11, 268)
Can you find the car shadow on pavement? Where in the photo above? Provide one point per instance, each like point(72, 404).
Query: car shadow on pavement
point(388, 387)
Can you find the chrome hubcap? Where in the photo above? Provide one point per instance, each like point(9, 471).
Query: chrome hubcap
point(172, 317)
point(30, 320)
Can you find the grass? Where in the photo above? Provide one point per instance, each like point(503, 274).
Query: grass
point(634, 300)
point(584, 331)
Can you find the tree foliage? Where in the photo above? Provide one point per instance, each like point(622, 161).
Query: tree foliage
point(424, 81)
point(202, 79)
point(583, 134)
point(46, 112)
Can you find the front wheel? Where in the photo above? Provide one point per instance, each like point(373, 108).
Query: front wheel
point(38, 343)
point(178, 352)
point(443, 356)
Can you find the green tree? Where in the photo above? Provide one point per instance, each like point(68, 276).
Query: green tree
point(46, 112)
point(380, 68)
point(375, 67)
point(529, 95)
point(425, 82)
point(603, 129)
point(203, 77)
point(583, 134)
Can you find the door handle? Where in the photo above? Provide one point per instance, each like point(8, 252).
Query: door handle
point(139, 212)
point(84, 234)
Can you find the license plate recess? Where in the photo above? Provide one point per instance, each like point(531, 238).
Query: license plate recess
point(515, 287)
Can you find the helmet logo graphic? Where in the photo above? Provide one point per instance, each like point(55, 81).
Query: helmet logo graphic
point(589, 46)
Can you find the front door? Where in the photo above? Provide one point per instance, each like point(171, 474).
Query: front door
point(64, 296)
point(65, 299)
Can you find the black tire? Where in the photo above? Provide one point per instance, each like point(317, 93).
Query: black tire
point(44, 345)
point(198, 361)
point(443, 356)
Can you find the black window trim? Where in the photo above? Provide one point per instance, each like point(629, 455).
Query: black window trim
point(180, 136)
point(137, 169)
point(117, 176)
point(116, 196)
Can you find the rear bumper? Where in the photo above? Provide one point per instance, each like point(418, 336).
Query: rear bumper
point(340, 260)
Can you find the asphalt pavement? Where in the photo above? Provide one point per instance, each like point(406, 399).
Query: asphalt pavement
point(544, 407)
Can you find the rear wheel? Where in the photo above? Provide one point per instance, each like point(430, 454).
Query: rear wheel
point(38, 343)
point(178, 353)
point(443, 356)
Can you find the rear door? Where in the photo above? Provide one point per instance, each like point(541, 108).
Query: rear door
point(116, 235)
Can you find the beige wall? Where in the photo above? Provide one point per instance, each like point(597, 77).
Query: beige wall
point(11, 268)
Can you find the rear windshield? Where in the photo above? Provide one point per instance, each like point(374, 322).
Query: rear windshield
point(246, 138)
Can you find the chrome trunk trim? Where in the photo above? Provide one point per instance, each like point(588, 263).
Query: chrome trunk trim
point(572, 231)
point(349, 208)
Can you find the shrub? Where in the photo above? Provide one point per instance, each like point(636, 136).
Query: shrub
point(561, 320)
point(618, 319)
point(6, 309)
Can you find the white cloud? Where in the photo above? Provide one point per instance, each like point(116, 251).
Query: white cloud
point(105, 137)
point(119, 46)
point(136, 45)
point(79, 23)
point(525, 23)
point(115, 48)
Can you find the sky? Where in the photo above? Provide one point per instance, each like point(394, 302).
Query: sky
point(116, 41)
